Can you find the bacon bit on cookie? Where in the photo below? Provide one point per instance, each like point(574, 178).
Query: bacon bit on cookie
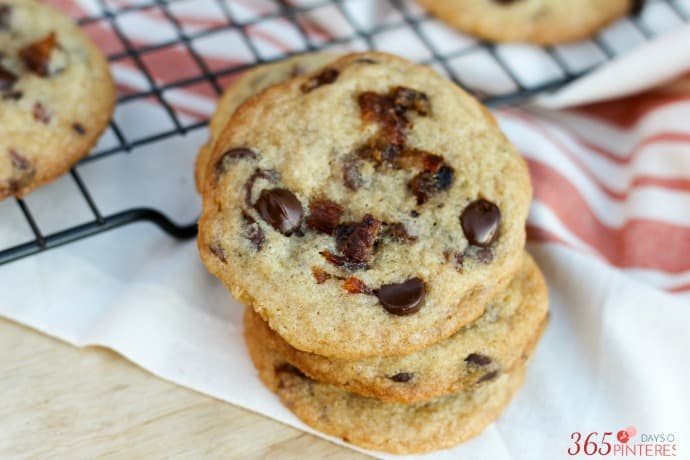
point(320, 275)
point(326, 77)
point(356, 286)
point(36, 55)
point(357, 241)
point(324, 215)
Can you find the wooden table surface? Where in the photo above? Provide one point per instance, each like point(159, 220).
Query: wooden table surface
point(57, 401)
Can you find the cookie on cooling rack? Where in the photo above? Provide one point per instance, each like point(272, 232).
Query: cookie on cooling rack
point(478, 352)
point(535, 21)
point(368, 208)
point(56, 95)
point(250, 83)
point(386, 426)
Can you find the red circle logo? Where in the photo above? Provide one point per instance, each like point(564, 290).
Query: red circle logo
point(623, 436)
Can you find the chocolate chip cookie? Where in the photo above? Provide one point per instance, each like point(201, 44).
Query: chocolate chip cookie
point(386, 426)
point(492, 344)
point(370, 207)
point(250, 83)
point(536, 21)
point(56, 95)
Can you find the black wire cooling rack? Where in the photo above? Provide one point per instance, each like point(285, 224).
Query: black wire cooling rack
point(563, 64)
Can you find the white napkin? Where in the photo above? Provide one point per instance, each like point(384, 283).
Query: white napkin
point(614, 354)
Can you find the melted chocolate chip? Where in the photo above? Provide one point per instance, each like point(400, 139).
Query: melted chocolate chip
point(253, 232)
point(78, 128)
point(402, 377)
point(281, 209)
point(41, 114)
point(358, 242)
point(236, 153)
point(488, 376)
point(24, 172)
point(636, 7)
point(478, 359)
point(324, 215)
point(267, 174)
point(402, 298)
point(217, 251)
point(326, 77)
point(7, 79)
point(356, 286)
point(480, 222)
point(5, 16)
point(427, 184)
point(36, 56)
point(320, 275)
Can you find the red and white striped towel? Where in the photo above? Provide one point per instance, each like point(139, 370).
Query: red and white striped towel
point(610, 227)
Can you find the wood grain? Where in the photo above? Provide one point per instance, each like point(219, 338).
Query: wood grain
point(57, 401)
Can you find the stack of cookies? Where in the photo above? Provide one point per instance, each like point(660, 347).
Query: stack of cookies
point(371, 216)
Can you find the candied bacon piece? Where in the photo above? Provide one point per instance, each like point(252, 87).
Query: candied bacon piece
point(356, 286)
point(320, 275)
point(427, 184)
point(359, 243)
point(324, 215)
point(343, 262)
point(36, 55)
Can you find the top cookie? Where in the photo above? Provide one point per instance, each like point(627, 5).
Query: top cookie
point(56, 95)
point(250, 83)
point(536, 21)
point(368, 208)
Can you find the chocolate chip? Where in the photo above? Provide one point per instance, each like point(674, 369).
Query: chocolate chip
point(7, 79)
point(398, 233)
point(252, 231)
point(324, 215)
point(480, 222)
point(326, 77)
point(414, 213)
point(636, 7)
point(236, 153)
point(12, 96)
point(78, 128)
point(281, 209)
point(506, 2)
point(478, 359)
point(320, 275)
point(41, 114)
point(427, 184)
point(24, 172)
point(36, 56)
point(217, 250)
point(286, 368)
point(351, 175)
point(402, 377)
point(267, 174)
point(402, 298)
point(343, 262)
point(488, 376)
point(5, 16)
point(356, 286)
point(358, 244)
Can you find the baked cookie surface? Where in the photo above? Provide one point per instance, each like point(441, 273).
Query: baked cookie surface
point(535, 21)
point(368, 208)
point(56, 95)
point(391, 427)
point(250, 83)
point(494, 343)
